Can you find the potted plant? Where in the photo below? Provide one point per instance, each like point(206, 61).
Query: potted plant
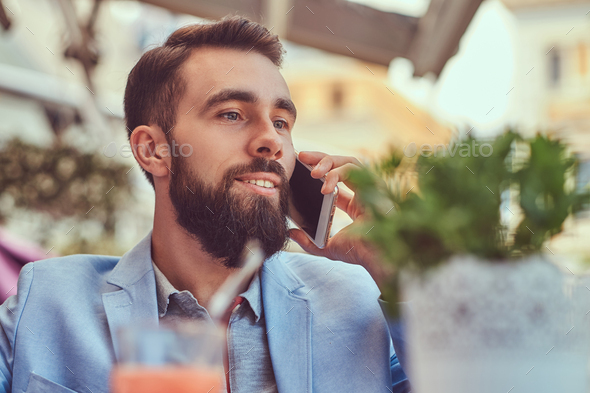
point(466, 235)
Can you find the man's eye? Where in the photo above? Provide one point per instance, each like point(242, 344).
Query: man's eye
point(230, 115)
point(280, 124)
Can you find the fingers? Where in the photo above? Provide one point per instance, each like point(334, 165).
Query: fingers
point(350, 205)
point(335, 168)
point(336, 175)
point(311, 157)
point(344, 199)
point(323, 162)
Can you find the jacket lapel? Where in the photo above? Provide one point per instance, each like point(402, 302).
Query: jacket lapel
point(135, 302)
point(288, 325)
point(286, 309)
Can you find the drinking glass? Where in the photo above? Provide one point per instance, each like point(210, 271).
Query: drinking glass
point(183, 357)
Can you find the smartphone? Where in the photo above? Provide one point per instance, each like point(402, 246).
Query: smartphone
point(309, 209)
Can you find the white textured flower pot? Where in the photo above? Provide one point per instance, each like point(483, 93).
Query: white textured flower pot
point(479, 327)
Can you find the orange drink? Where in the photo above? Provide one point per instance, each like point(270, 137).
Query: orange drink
point(175, 357)
point(165, 379)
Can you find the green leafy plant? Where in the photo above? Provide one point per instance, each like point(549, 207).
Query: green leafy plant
point(64, 183)
point(464, 204)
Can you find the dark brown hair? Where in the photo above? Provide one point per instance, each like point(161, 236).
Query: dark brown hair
point(155, 85)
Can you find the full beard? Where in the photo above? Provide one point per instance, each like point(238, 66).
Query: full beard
point(223, 219)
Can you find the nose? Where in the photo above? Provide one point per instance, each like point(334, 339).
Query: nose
point(266, 142)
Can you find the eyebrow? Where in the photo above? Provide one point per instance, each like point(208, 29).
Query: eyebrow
point(248, 97)
point(288, 105)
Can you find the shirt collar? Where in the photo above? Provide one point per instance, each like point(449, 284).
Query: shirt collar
point(165, 289)
point(253, 296)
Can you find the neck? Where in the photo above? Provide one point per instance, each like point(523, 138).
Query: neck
point(182, 259)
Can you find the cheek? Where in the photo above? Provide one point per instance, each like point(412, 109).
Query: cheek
point(290, 157)
point(203, 162)
point(289, 163)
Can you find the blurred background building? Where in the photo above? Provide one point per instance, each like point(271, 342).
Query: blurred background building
point(552, 44)
point(365, 75)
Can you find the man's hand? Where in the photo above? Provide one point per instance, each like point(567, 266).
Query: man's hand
point(343, 246)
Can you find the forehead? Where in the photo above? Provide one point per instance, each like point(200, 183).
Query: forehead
point(208, 70)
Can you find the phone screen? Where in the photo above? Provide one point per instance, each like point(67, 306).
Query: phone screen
point(305, 200)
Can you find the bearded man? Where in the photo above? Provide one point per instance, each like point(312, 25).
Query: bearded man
point(306, 322)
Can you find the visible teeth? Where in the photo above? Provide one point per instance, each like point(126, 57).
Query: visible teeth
point(261, 183)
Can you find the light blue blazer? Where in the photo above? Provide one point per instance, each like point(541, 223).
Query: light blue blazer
point(327, 332)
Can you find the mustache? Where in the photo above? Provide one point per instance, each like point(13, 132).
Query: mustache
point(258, 164)
point(221, 218)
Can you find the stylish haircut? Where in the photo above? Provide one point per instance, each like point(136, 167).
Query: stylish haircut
point(155, 85)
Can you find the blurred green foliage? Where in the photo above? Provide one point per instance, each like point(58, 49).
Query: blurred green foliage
point(61, 181)
point(458, 200)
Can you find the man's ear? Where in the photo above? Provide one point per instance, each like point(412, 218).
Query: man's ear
point(151, 150)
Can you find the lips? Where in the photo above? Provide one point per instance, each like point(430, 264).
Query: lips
point(266, 176)
point(258, 189)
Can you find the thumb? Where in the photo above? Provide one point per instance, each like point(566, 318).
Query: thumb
point(301, 238)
